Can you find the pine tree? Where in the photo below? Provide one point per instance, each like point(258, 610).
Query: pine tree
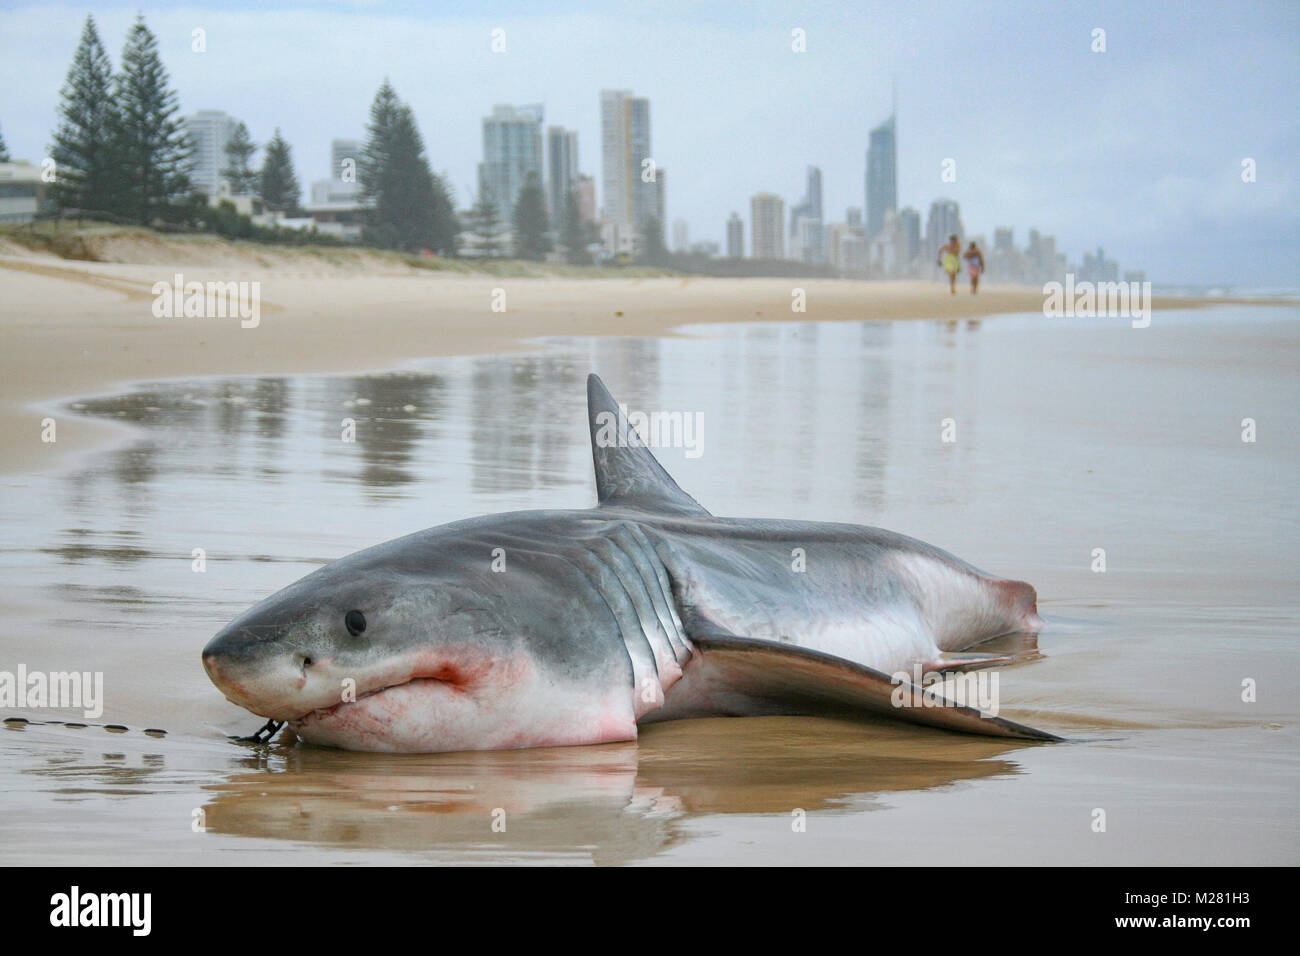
point(530, 237)
point(278, 184)
point(151, 149)
point(239, 173)
point(485, 223)
point(573, 238)
point(84, 142)
point(4, 150)
point(410, 207)
point(444, 238)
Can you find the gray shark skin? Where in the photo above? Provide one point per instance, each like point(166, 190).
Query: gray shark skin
point(547, 628)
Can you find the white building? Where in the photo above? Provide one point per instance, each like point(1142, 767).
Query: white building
point(735, 237)
point(209, 132)
point(767, 221)
point(512, 148)
point(21, 192)
point(628, 200)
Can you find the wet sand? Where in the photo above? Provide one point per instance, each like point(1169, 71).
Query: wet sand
point(1071, 435)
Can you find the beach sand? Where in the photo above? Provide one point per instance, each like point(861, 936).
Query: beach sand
point(70, 327)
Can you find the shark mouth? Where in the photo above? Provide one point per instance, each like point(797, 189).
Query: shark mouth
point(414, 688)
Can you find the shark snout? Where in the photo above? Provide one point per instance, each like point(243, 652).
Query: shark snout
point(269, 678)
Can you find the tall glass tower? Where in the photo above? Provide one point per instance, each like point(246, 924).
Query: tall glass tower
point(882, 176)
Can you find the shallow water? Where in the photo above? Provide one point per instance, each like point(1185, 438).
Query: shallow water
point(1071, 435)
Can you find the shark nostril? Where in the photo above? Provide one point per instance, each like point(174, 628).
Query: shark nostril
point(304, 661)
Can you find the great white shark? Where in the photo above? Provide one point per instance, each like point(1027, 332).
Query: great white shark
point(547, 628)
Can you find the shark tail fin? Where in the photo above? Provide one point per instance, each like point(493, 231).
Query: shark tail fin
point(627, 475)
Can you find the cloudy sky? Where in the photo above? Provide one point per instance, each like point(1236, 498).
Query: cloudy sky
point(1138, 149)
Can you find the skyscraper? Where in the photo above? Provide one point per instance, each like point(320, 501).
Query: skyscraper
point(512, 148)
point(735, 237)
point(944, 221)
point(628, 200)
point(767, 217)
point(209, 131)
point(811, 205)
point(657, 199)
point(910, 220)
point(586, 198)
point(561, 172)
point(882, 175)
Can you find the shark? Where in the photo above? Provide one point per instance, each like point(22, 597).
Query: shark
point(572, 627)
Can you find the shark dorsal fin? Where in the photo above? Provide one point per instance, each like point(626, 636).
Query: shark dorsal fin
point(627, 475)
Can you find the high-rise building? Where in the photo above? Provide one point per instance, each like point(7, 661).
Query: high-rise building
point(810, 206)
point(345, 160)
point(512, 148)
point(767, 217)
point(944, 221)
point(1097, 268)
point(882, 175)
point(811, 242)
point(658, 202)
point(735, 237)
point(910, 223)
point(586, 198)
point(561, 172)
point(853, 216)
point(681, 236)
point(209, 132)
point(631, 192)
point(343, 184)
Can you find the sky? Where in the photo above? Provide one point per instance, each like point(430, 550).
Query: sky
point(1137, 149)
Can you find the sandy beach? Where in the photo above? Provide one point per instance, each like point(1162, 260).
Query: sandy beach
point(72, 327)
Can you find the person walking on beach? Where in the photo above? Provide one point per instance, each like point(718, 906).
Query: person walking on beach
point(974, 265)
point(948, 258)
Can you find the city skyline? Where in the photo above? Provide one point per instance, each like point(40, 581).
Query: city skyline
point(1111, 149)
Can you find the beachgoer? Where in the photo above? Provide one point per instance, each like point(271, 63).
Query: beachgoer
point(974, 265)
point(948, 258)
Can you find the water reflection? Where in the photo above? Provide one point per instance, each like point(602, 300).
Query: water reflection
point(611, 804)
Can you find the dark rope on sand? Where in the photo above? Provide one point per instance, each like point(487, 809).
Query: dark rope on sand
point(263, 736)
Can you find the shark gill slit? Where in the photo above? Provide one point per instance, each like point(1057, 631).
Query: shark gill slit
point(633, 540)
point(639, 582)
point(615, 597)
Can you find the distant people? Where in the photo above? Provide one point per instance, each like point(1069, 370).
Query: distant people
point(949, 259)
point(974, 265)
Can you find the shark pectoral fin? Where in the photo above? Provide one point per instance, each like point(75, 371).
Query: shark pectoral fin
point(950, 661)
point(780, 678)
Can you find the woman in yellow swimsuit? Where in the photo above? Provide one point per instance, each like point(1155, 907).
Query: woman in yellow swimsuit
point(949, 258)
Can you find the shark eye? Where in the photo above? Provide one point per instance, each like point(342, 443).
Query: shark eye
point(355, 621)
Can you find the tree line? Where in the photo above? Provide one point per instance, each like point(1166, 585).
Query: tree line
point(121, 152)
